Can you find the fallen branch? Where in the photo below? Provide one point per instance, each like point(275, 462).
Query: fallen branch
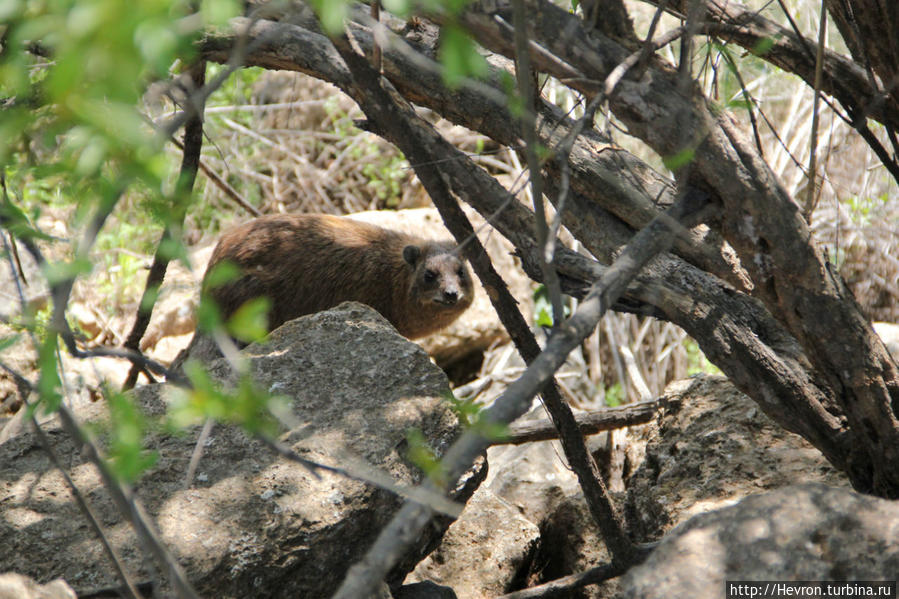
point(564, 586)
point(590, 423)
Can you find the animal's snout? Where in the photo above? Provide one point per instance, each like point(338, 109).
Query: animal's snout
point(450, 296)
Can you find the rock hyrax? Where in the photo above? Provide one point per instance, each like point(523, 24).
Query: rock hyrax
point(306, 263)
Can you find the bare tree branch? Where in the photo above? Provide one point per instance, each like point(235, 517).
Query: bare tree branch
point(193, 144)
point(526, 83)
point(590, 423)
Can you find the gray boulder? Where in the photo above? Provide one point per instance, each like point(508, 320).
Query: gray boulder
point(483, 552)
point(808, 532)
point(710, 449)
point(251, 524)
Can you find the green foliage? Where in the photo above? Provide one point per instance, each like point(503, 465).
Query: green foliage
point(250, 321)
point(763, 46)
point(470, 414)
point(861, 209)
point(459, 56)
point(246, 404)
point(697, 362)
point(17, 222)
point(386, 176)
point(420, 454)
point(679, 160)
point(127, 430)
point(48, 383)
point(74, 123)
point(543, 309)
point(614, 395)
point(331, 13)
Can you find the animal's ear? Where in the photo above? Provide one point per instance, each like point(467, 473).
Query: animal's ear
point(411, 254)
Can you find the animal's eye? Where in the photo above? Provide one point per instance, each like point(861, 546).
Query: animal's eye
point(461, 272)
point(430, 276)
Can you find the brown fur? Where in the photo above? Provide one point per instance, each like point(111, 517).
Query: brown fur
point(308, 263)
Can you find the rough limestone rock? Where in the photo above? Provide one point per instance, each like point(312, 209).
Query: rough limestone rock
point(536, 480)
point(483, 551)
point(798, 533)
point(533, 477)
point(251, 524)
point(710, 449)
point(16, 586)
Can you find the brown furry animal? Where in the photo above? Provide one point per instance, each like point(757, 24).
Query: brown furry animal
point(311, 262)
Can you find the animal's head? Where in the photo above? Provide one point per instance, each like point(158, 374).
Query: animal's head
point(440, 276)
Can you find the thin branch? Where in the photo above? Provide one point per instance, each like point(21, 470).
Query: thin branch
point(524, 76)
point(222, 184)
point(128, 587)
point(563, 587)
point(127, 504)
point(356, 469)
point(590, 423)
point(404, 528)
point(813, 142)
point(376, 47)
point(193, 144)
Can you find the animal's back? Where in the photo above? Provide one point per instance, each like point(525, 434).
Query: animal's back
point(308, 263)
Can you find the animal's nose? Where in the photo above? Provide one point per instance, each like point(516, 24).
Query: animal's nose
point(450, 297)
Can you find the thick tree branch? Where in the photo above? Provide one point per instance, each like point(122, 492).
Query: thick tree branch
point(760, 221)
point(397, 123)
point(842, 78)
point(734, 330)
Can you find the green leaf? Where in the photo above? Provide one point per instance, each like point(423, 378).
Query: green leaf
point(149, 299)
point(543, 317)
point(48, 383)
point(17, 223)
point(57, 272)
point(400, 8)
point(331, 13)
point(221, 273)
point(763, 46)
point(250, 322)
point(209, 317)
point(420, 454)
point(246, 404)
point(470, 414)
point(218, 12)
point(613, 395)
point(127, 453)
point(679, 160)
point(459, 56)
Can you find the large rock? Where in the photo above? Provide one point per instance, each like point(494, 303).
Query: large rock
point(709, 449)
point(483, 552)
point(808, 532)
point(251, 524)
